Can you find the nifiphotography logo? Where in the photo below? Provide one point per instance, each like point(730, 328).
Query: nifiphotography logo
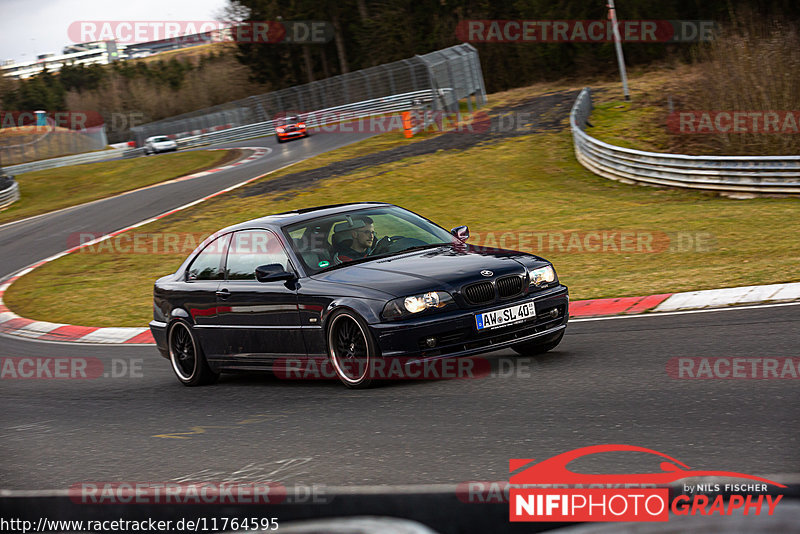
point(612, 497)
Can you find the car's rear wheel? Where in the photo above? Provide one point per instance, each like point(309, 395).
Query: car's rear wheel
point(187, 358)
point(533, 348)
point(351, 349)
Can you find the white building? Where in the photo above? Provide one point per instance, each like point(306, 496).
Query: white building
point(100, 52)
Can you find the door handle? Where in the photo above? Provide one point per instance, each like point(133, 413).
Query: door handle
point(223, 293)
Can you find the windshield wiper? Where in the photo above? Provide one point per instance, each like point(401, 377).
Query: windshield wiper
point(421, 247)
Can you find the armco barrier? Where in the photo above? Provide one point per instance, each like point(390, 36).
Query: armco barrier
point(65, 161)
point(9, 191)
point(727, 174)
point(318, 118)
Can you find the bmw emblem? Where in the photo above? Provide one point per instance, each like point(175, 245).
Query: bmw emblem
point(487, 273)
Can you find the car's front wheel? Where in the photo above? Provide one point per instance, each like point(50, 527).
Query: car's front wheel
point(187, 358)
point(351, 349)
point(532, 348)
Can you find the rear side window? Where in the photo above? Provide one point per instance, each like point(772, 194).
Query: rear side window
point(208, 264)
point(251, 248)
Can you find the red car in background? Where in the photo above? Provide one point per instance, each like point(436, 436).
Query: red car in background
point(289, 128)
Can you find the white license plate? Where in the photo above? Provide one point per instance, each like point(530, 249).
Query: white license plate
point(506, 316)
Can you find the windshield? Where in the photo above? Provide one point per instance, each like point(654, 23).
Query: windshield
point(292, 119)
point(161, 139)
point(359, 235)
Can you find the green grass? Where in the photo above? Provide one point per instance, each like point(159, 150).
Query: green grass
point(525, 184)
point(53, 189)
point(630, 125)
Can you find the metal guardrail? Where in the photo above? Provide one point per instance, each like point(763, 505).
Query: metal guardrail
point(727, 174)
point(9, 194)
point(316, 119)
point(65, 161)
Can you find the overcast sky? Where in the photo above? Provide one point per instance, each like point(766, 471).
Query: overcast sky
point(32, 27)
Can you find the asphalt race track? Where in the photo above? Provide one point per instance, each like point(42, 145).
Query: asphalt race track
point(606, 383)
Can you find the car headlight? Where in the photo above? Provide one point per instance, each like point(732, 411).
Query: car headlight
point(405, 306)
point(542, 276)
point(279, 130)
point(301, 125)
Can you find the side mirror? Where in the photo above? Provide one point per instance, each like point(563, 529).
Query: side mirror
point(461, 232)
point(273, 273)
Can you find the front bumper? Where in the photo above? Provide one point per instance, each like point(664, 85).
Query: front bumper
point(456, 334)
point(292, 134)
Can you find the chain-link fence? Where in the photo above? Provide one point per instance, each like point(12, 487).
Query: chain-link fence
point(451, 74)
point(33, 143)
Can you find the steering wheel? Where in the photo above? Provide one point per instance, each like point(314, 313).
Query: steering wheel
point(383, 244)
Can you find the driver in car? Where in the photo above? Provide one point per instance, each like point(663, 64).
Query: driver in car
point(363, 239)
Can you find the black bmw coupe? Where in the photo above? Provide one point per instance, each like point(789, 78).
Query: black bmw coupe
point(319, 285)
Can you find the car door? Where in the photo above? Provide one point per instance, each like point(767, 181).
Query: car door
point(260, 320)
point(201, 283)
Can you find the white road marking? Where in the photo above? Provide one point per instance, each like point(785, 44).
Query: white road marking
point(730, 295)
point(683, 312)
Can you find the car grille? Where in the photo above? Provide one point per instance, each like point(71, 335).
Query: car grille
point(509, 286)
point(480, 293)
point(457, 341)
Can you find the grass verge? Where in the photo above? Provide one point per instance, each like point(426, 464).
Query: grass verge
point(525, 192)
point(54, 189)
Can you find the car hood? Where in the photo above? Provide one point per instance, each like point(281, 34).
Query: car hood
point(445, 268)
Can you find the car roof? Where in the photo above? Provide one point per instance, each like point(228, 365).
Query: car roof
point(279, 220)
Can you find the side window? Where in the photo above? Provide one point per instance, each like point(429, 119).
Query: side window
point(208, 264)
point(251, 248)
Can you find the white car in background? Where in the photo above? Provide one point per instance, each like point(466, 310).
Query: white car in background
point(159, 143)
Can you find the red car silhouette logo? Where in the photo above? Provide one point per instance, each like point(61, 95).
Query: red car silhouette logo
point(554, 470)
